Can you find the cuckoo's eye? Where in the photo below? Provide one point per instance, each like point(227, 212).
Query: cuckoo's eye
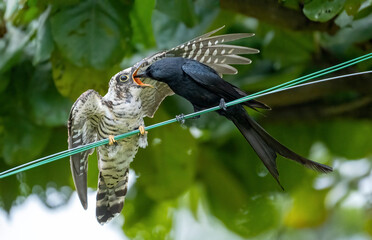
point(123, 78)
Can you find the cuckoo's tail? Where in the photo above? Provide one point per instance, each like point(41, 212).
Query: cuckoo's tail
point(110, 201)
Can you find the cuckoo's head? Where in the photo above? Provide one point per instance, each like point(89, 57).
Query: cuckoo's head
point(124, 82)
point(121, 84)
point(126, 79)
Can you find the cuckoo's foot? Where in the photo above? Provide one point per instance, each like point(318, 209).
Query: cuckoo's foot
point(222, 104)
point(142, 130)
point(112, 140)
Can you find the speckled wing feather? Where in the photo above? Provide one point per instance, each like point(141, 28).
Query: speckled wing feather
point(152, 97)
point(83, 120)
point(207, 49)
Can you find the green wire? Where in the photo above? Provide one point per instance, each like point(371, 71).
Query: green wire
point(280, 87)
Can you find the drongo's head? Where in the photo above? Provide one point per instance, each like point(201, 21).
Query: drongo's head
point(162, 70)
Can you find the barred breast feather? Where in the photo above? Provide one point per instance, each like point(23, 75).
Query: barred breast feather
point(93, 118)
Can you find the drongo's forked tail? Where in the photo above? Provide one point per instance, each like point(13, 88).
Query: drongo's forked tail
point(265, 145)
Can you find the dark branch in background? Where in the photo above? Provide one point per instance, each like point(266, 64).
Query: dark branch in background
point(360, 86)
point(272, 12)
point(342, 98)
point(319, 111)
point(320, 101)
point(2, 25)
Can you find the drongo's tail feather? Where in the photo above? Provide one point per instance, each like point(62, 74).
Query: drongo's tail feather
point(265, 145)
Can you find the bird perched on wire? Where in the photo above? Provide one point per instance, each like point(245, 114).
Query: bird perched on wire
point(93, 118)
point(204, 88)
point(123, 108)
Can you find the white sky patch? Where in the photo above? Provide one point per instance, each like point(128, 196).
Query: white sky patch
point(33, 220)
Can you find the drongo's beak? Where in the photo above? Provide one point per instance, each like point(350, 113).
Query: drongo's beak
point(141, 75)
point(138, 81)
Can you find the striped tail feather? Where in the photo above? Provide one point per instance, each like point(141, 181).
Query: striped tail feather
point(110, 201)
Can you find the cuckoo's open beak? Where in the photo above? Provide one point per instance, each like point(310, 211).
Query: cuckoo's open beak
point(138, 81)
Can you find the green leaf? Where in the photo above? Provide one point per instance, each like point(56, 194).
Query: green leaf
point(170, 32)
point(93, 33)
point(288, 48)
point(9, 191)
point(20, 12)
point(234, 204)
point(356, 138)
point(348, 138)
point(166, 167)
point(323, 10)
point(307, 213)
point(72, 81)
point(363, 13)
point(58, 172)
point(5, 78)
point(48, 107)
point(44, 41)
point(93, 171)
point(146, 219)
point(11, 46)
point(352, 6)
point(181, 11)
point(22, 140)
point(358, 31)
point(140, 19)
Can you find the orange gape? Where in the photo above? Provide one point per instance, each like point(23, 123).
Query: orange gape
point(138, 81)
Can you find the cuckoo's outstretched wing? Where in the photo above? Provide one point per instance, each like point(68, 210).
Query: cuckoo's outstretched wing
point(82, 123)
point(207, 49)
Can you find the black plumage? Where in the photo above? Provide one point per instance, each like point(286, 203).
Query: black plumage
point(204, 88)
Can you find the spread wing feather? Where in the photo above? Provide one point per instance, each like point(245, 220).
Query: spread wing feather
point(84, 118)
point(210, 50)
point(152, 97)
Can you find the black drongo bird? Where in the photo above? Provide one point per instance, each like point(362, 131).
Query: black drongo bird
point(204, 88)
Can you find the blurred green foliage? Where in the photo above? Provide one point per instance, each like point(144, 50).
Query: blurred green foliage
point(52, 51)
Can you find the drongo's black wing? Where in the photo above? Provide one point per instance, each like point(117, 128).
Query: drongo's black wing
point(209, 79)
